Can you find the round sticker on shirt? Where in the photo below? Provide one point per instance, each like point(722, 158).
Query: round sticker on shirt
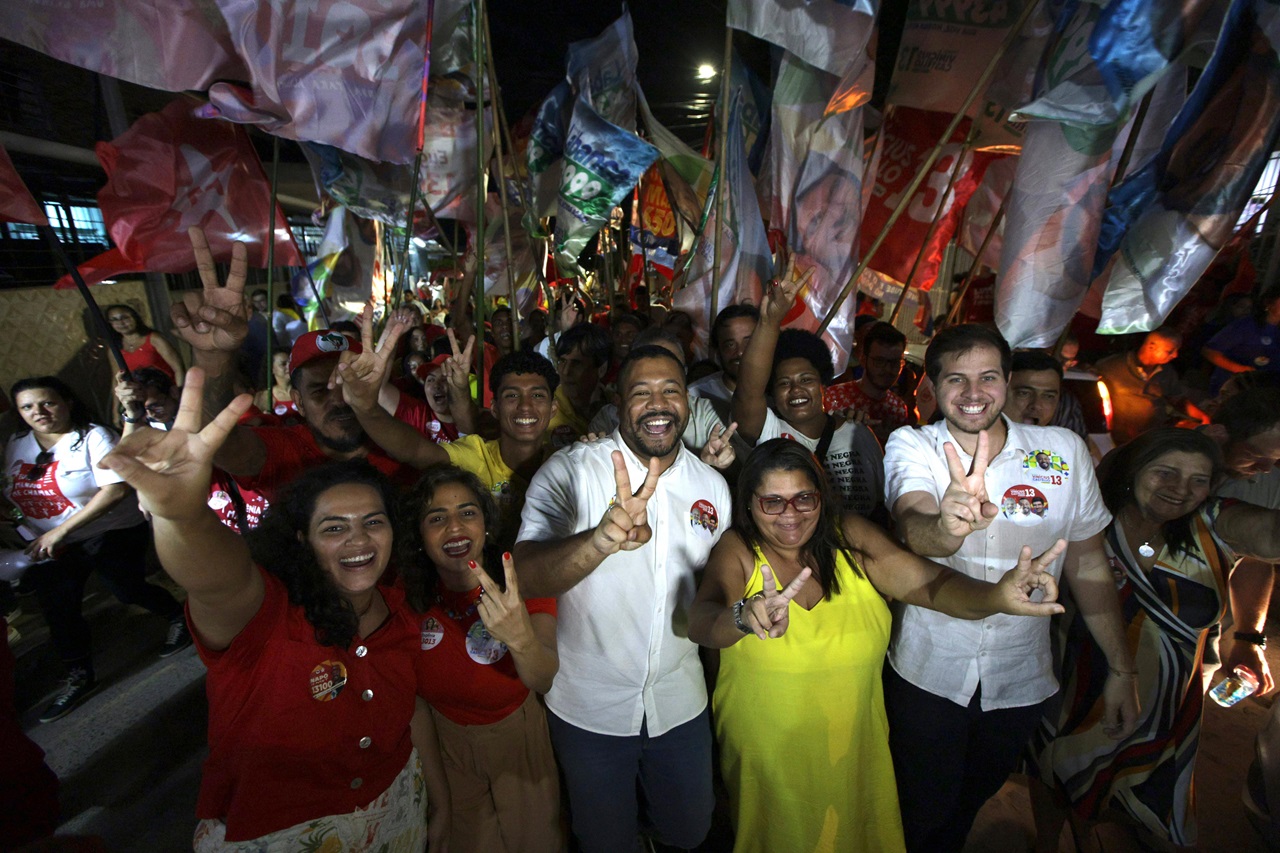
point(432, 633)
point(219, 500)
point(703, 518)
point(1024, 505)
point(327, 680)
point(482, 646)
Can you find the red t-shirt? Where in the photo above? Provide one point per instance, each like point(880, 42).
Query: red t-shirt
point(464, 672)
point(891, 411)
point(287, 717)
point(222, 501)
point(419, 415)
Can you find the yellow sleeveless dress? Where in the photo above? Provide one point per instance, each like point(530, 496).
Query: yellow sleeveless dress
point(804, 741)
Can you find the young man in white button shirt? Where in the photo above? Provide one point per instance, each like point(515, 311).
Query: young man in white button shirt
point(963, 697)
point(616, 528)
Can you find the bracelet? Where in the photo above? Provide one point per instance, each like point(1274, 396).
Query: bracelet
point(737, 616)
point(124, 417)
point(1123, 673)
point(1256, 638)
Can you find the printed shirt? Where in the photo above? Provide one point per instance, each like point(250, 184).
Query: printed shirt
point(891, 411)
point(419, 415)
point(464, 672)
point(1043, 483)
point(484, 459)
point(854, 462)
point(625, 659)
point(67, 484)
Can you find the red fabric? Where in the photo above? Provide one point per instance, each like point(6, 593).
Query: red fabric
point(146, 356)
point(169, 171)
point(16, 201)
point(222, 503)
point(28, 788)
point(290, 450)
point(280, 753)
point(891, 412)
point(419, 415)
point(450, 674)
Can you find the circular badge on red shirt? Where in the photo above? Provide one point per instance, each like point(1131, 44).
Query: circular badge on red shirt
point(432, 632)
point(482, 647)
point(327, 680)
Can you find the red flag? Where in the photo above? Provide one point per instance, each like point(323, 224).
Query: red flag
point(170, 171)
point(16, 203)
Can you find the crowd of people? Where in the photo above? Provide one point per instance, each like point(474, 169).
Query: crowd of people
point(521, 592)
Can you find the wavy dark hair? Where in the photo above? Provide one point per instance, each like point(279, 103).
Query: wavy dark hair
point(81, 420)
point(140, 326)
point(820, 552)
point(418, 572)
point(279, 545)
point(798, 343)
point(1120, 469)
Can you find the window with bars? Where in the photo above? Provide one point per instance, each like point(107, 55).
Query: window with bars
point(86, 219)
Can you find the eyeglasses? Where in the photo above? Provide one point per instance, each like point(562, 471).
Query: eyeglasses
point(43, 458)
point(776, 505)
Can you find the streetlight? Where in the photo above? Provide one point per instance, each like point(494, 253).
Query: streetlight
point(706, 72)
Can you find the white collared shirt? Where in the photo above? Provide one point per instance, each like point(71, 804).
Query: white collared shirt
point(1043, 483)
point(622, 631)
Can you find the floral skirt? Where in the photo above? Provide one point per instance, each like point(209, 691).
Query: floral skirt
point(395, 822)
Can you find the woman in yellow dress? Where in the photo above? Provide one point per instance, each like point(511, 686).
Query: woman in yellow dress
point(799, 708)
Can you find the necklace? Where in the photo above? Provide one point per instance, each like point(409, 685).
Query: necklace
point(1146, 550)
point(472, 600)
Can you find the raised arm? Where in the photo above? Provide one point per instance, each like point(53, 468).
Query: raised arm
point(550, 568)
point(531, 638)
point(1253, 531)
point(749, 406)
point(937, 529)
point(715, 614)
point(171, 473)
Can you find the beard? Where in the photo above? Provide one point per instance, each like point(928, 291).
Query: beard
point(645, 445)
point(337, 435)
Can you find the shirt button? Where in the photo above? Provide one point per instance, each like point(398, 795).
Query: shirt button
point(356, 783)
point(991, 536)
point(367, 695)
point(366, 742)
point(361, 651)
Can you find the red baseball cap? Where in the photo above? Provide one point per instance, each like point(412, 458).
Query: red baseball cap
point(429, 367)
point(320, 344)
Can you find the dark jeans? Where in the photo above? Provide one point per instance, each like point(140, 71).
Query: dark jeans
point(949, 759)
point(600, 771)
point(119, 557)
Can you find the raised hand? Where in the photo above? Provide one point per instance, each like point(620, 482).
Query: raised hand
point(781, 294)
point(625, 525)
point(215, 318)
point(1017, 585)
point(767, 612)
point(502, 610)
point(170, 470)
point(130, 395)
point(457, 367)
point(964, 507)
point(363, 374)
point(567, 314)
point(718, 452)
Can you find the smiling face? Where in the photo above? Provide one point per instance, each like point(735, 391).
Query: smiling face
point(350, 535)
point(332, 421)
point(1033, 396)
point(731, 343)
point(792, 529)
point(523, 406)
point(971, 389)
point(453, 529)
point(797, 391)
point(1173, 485)
point(653, 407)
point(122, 321)
point(44, 410)
point(436, 387)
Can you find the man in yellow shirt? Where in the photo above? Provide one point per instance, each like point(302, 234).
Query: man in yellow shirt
point(582, 355)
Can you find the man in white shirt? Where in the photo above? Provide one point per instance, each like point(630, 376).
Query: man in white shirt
point(964, 697)
point(629, 703)
point(730, 334)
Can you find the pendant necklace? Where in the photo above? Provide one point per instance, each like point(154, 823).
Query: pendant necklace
point(1146, 550)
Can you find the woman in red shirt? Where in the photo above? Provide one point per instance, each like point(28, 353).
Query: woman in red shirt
point(485, 655)
point(313, 719)
point(141, 346)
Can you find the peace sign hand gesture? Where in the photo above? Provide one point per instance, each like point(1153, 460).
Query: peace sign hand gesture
point(502, 610)
point(964, 507)
point(767, 612)
point(625, 525)
point(1016, 586)
point(718, 452)
point(215, 318)
point(457, 367)
point(781, 293)
point(363, 374)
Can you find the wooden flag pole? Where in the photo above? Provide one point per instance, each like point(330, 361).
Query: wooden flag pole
point(99, 321)
point(478, 285)
point(271, 255)
point(977, 262)
point(492, 70)
point(721, 156)
point(979, 85)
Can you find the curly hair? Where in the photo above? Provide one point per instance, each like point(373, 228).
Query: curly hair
point(80, 419)
point(797, 343)
point(521, 363)
point(783, 454)
point(417, 571)
point(279, 545)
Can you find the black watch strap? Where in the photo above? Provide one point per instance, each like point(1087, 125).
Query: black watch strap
point(737, 616)
point(1257, 639)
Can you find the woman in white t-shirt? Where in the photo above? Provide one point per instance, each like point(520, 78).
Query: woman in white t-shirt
point(85, 519)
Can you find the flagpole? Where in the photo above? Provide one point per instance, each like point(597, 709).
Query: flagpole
point(977, 261)
point(722, 189)
point(933, 228)
point(978, 86)
point(99, 321)
point(502, 181)
point(478, 30)
point(271, 255)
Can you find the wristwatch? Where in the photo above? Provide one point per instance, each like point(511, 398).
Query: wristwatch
point(737, 615)
point(1258, 639)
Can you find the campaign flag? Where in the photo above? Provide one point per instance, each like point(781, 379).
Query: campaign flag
point(604, 70)
point(655, 236)
point(497, 281)
point(827, 34)
point(686, 175)
point(545, 150)
point(755, 111)
point(320, 269)
point(980, 212)
point(745, 260)
point(171, 170)
point(1179, 210)
point(908, 137)
point(16, 201)
point(602, 162)
point(815, 174)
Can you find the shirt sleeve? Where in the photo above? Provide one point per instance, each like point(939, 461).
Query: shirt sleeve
point(98, 442)
point(772, 426)
point(1092, 516)
point(905, 468)
point(466, 453)
point(550, 504)
point(541, 605)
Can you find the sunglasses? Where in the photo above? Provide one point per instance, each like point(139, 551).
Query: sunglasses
point(43, 458)
point(803, 502)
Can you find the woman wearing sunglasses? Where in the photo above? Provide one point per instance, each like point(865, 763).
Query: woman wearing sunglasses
point(86, 519)
point(799, 708)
